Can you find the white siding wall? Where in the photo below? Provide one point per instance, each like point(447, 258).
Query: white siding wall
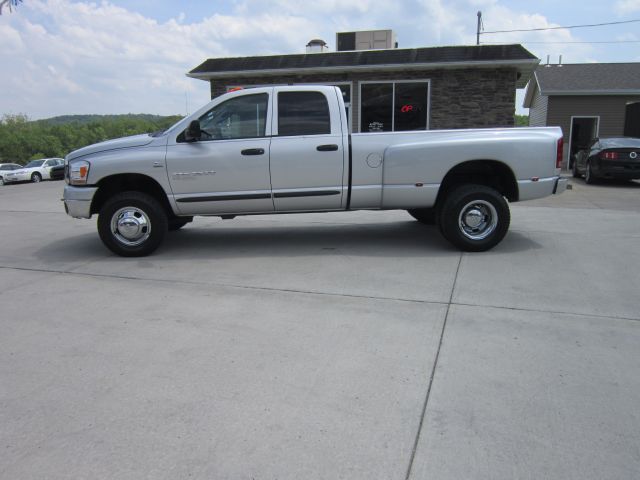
point(538, 110)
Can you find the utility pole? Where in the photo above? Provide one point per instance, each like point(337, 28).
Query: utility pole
point(479, 27)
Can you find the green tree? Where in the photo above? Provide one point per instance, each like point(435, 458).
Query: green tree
point(22, 140)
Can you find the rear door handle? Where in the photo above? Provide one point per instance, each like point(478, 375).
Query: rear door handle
point(253, 151)
point(327, 148)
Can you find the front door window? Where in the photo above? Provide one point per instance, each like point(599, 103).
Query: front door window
point(241, 117)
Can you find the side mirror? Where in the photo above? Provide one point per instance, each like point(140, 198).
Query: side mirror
point(193, 132)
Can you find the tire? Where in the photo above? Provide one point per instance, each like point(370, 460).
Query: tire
point(574, 170)
point(132, 224)
point(1, 181)
point(178, 222)
point(424, 215)
point(474, 218)
point(589, 177)
point(36, 177)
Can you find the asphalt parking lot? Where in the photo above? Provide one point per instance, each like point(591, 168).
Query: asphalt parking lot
point(356, 345)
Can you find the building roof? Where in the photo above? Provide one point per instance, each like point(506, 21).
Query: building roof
point(515, 56)
point(585, 79)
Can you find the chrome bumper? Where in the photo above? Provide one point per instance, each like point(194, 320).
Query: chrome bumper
point(561, 186)
point(77, 200)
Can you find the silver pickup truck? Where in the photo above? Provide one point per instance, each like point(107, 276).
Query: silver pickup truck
point(288, 150)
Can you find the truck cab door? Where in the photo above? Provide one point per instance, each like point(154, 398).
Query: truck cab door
point(307, 150)
point(227, 170)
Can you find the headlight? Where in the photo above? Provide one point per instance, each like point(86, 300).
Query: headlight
point(78, 172)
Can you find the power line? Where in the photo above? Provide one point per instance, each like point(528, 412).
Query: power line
point(561, 28)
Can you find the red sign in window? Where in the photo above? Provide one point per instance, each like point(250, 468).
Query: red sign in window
point(406, 108)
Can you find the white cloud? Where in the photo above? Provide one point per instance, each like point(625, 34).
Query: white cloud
point(498, 17)
point(627, 6)
point(67, 56)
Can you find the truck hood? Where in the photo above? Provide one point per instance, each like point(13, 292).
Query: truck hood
point(117, 143)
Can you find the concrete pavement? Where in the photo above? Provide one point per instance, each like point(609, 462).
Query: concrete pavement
point(351, 345)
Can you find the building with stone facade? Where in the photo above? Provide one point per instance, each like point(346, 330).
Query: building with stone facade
point(395, 89)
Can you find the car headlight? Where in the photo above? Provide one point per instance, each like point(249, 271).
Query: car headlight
point(78, 172)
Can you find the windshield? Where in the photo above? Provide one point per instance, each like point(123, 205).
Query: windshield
point(34, 163)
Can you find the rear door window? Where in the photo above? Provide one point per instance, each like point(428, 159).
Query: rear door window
point(303, 113)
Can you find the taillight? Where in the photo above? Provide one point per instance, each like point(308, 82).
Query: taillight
point(559, 153)
point(609, 155)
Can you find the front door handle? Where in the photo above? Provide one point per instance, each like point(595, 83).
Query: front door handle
point(327, 148)
point(253, 151)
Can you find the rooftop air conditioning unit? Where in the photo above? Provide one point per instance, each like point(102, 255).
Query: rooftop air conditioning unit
point(367, 40)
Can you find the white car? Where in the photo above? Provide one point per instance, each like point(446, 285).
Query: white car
point(34, 171)
point(6, 168)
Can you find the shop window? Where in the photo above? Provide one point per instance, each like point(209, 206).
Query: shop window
point(376, 114)
point(303, 113)
point(410, 110)
point(398, 106)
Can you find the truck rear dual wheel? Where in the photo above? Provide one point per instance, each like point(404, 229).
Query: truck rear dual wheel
point(474, 218)
point(132, 224)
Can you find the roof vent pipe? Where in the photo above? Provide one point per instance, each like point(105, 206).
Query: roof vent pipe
point(317, 45)
point(560, 61)
point(548, 58)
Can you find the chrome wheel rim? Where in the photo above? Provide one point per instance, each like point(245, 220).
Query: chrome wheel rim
point(478, 220)
point(36, 178)
point(131, 226)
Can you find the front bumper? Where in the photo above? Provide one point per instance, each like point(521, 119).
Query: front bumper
point(12, 179)
point(77, 200)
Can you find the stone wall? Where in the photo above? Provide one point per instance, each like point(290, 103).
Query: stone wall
point(459, 98)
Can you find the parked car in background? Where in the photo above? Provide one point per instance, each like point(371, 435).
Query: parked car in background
point(609, 158)
point(57, 172)
point(34, 171)
point(6, 168)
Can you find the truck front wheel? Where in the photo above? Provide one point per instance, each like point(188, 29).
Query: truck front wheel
point(474, 218)
point(132, 224)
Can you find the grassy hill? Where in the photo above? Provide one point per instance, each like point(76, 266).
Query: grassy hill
point(22, 140)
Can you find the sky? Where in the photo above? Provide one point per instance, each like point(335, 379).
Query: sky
point(63, 57)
